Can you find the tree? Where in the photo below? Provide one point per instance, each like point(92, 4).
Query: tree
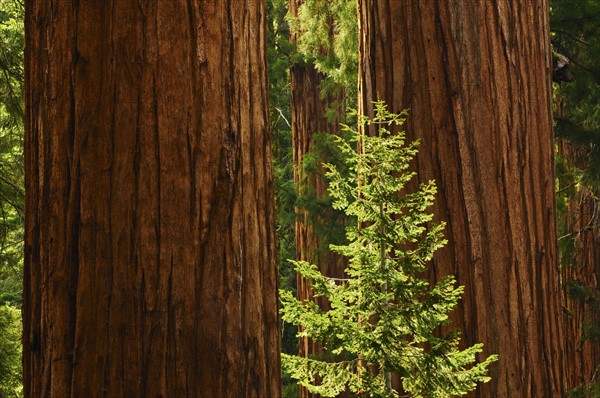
point(476, 78)
point(280, 51)
point(308, 120)
point(576, 41)
point(12, 195)
point(10, 352)
point(321, 80)
point(382, 315)
point(150, 244)
point(577, 205)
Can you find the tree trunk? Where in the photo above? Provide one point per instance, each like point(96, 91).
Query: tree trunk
point(307, 120)
point(309, 117)
point(150, 252)
point(476, 78)
point(581, 271)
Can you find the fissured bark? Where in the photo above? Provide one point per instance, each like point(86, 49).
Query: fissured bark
point(476, 78)
point(580, 269)
point(150, 245)
point(309, 117)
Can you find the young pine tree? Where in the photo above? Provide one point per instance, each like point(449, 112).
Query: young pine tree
point(384, 314)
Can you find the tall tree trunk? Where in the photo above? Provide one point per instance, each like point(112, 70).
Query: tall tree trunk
point(476, 78)
point(581, 271)
point(309, 117)
point(150, 253)
point(307, 120)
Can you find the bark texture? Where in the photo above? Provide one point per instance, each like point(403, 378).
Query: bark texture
point(150, 253)
point(476, 78)
point(581, 268)
point(309, 117)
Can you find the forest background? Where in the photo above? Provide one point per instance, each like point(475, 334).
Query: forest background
point(576, 44)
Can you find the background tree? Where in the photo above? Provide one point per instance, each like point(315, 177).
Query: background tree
point(577, 207)
point(382, 314)
point(576, 41)
point(12, 195)
point(150, 245)
point(476, 78)
point(281, 53)
point(322, 81)
point(309, 119)
point(10, 352)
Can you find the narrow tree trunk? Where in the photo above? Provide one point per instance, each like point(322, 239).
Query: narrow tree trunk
point(307, 120)
point(309, 117)
point(150, 253)
point(476, 78)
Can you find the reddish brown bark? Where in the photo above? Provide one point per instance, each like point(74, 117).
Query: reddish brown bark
point(476, 78)
point(150, 253)
point(309, 117)
point(580, 268)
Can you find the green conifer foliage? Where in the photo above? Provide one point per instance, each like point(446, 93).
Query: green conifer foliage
point(328, 31)
point(10, 352)
point(384, 315)
point(12, 196)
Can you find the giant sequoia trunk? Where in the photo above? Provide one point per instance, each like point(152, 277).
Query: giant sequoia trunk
point(150, 257)
point(581, 270)
point(476, 78)
point(582, 294)
point(309, 117)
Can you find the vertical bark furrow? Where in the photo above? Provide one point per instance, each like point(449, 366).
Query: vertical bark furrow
point(472, 75)
point(309, 117)
point(580, 268)
point(150, 268)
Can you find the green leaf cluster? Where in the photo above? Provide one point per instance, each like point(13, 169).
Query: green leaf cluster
point(384, 315)
point(12, 195)
point(328, 38)
point(280, 51)
point(10, 352)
